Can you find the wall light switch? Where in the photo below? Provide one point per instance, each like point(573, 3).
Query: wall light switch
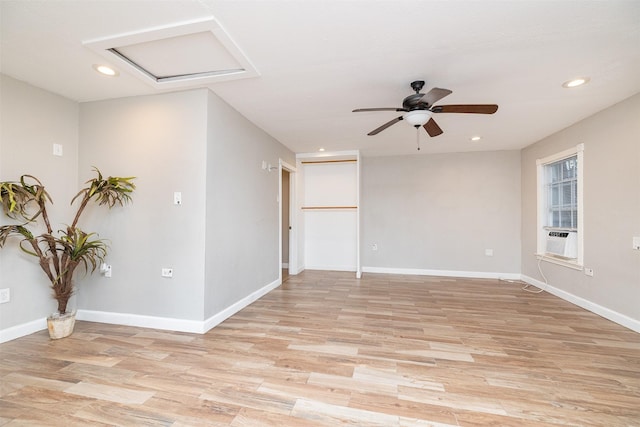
point(57, 150)
point(167, 272)
point(488, 252)
point(177, 198)
point(636, 243)
point(588, 271)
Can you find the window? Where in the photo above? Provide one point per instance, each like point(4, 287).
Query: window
point(561, 186)
point(559, 234)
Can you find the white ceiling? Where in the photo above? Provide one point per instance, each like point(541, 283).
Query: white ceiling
point(318, 60)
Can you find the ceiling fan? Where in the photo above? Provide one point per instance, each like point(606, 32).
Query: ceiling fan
point(419, 108)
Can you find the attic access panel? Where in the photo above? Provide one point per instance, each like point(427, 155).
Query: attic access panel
point(181, 55)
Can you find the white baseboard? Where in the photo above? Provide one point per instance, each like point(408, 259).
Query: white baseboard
point(23, 329)
point(220, 317)
point(172, 324)
point(607, 313)
point(331, 268)
point(442, 273)
point(154, 322)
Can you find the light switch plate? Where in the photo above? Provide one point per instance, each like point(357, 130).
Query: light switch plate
point(636, 242)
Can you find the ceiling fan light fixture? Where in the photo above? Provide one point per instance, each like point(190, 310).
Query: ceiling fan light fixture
point(417, 117)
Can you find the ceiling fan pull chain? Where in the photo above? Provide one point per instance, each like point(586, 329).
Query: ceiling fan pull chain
point(418, 136)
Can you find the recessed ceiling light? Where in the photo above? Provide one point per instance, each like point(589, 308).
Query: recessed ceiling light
point(321, 149)
point(578, 81)
point(475, 138)
point(105, 70)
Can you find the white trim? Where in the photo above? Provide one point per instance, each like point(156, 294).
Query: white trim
point(541, 232)
point(358, 217)
point(23, 329)
point(334, 155)
point(443, 273)
point(607, 313)
point(559, 261)
point(220, 317)
point(101, 46)
point(172, 324)
point(154, 322)
point(331, 268)
point(293, 219)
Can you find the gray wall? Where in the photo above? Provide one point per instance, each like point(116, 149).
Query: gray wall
point(611, 208)
point(31, 121)
point(242, 207)
point(222, 242)
point(161, 140)
point(441, 211)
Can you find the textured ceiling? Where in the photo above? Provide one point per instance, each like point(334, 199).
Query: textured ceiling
point(318, 60)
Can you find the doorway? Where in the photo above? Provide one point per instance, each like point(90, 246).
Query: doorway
point(287, 259)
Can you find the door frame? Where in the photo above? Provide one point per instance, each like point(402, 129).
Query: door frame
point(293, 240)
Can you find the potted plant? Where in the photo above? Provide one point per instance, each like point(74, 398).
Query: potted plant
point(61, 252)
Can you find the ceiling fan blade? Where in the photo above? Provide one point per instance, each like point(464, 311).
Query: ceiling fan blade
point(359, 110)
point(469, 108)
point(435, 95)
point(432, 128)
point(384, 126)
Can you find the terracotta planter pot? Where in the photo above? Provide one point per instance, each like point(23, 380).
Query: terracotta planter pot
point(61, 326)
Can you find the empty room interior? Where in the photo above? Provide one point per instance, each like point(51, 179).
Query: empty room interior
point(320, 213)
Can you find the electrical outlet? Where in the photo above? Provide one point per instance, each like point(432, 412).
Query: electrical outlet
point(374, 247)
point(177, 198)
point(588, 271)
point(107, 271)
point(5, 295)
point(636, 243)
point(167, 272)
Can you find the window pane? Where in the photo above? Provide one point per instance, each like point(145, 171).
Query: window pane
point(562, 193)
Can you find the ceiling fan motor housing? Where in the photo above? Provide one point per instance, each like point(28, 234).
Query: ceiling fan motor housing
point(417, 85)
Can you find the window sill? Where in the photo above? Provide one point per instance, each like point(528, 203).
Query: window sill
point(560, 261)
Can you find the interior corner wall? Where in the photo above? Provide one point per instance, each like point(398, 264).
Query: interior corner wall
point(611, 210)
point(161, 140)
point(440, 212)
point(242, 208)
point(31, 121)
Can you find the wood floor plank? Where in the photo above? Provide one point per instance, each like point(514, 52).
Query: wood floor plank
point(327, 349)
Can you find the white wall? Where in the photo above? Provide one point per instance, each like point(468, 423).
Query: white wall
point(441, 212)
point(330, 234)
point(611, 211)
point(31, 121)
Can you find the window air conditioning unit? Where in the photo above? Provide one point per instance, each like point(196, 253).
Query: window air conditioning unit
point(562, 243)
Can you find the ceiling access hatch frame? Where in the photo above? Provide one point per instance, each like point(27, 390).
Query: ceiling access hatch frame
point(195, 41)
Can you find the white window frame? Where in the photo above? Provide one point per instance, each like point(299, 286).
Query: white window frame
point(542, 230)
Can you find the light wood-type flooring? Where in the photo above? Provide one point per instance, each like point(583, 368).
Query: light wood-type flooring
point(326, 349)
